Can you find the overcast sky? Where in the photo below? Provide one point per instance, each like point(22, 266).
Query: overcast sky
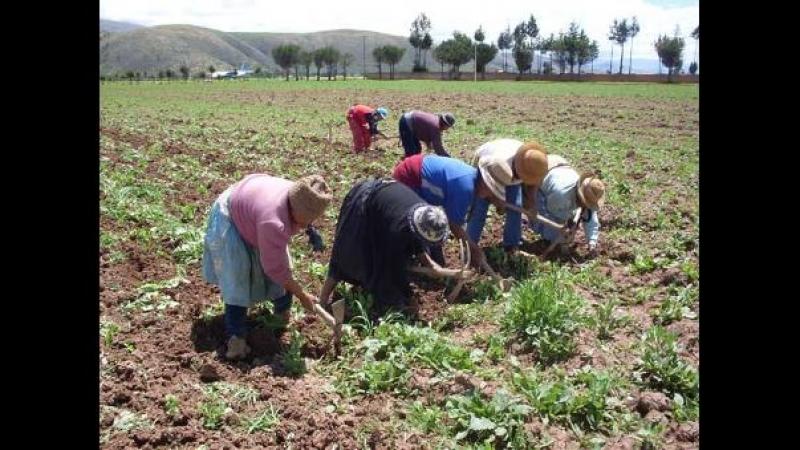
point(394, 17)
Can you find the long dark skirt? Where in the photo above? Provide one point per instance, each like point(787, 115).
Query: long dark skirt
point(374, 242)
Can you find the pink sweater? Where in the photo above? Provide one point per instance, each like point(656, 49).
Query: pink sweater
point(259, 207)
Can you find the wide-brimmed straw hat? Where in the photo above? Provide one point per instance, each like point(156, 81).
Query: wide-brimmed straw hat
point(591, 191)
point(496, 173)
point(531, 163)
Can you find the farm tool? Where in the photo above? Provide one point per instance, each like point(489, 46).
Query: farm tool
point(334, 321)
point(464, 274)
point(567, 230)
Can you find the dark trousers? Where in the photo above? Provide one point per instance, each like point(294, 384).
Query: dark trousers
point(235, 315)
point(411, 144)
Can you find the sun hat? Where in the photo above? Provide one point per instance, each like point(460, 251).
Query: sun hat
point(591, 191)
point(531, 163)
point(496, 173)
point(308, 198)
point(429, 222)
point(448, 119)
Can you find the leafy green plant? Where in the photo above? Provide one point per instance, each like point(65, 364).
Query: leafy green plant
point(171, 405)
point(212, 311)
point(498, 421)
point(519, 266)
point(235, 393)
point(150, 297)
point(544, 313)
point(387, 375)
point(496, 348)
point(188, 212)
point(212, 409)
point(108, 330)
point(270, 321)
point(661, 368)
point(604, 321)
point(361, 320)
point(676, 307)
point(264, 421)
point(690, 269)
point(580, 401)
point(425, 418)
point(460, 315)
point(129, 420)
point(426, 346)
point(319, 271)
point(623, 189)
point(483, 291)
point(643, 264)
point(651, 436)
point(293, 361)
point(685, 409)
point(392, 350)
point(642, 294)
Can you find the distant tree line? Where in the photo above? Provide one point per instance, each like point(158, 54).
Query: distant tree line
point(567, 52)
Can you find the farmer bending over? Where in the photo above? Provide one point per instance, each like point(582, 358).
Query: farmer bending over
point(363, 122)
point(450, 183)
point(382, 225)
point(563, 192)
point(508, 165)
point(416, 126)
point(246, 246)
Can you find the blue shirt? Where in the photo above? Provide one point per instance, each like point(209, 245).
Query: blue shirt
point(449, 183)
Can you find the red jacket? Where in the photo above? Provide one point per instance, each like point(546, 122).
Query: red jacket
point(360, 113)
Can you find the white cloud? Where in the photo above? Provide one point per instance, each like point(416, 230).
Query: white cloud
point(595, 16)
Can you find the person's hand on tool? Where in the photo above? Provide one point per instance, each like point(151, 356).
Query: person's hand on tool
point(327, 289)
point(565, 230)
point(308, 301)
point(426, 261)
point(478, 257)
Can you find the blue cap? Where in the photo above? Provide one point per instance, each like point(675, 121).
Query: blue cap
point(384, 113)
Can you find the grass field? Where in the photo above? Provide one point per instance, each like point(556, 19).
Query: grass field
point(582, 353)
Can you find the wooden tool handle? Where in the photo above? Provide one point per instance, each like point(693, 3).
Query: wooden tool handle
point(538, 217)
point(320, 311)
point(441, 273)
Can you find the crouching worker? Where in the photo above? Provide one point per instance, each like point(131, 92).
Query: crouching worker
point(508, 166)
point(562, 195)
point(363, 122)
point(451, 184)
point(382, 225)
point(246, 249)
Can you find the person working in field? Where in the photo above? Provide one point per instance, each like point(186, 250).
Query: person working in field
point(563, 193)
point(508, 165)
point(363, 122)
point(451, 183)
point(382, 225)
point(421, 126)
point(246, 246)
